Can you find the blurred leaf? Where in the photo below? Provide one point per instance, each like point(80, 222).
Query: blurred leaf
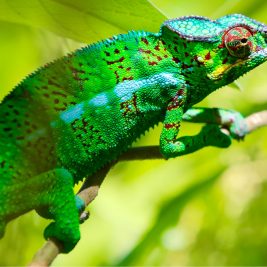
point(249, 7)
point(168, 216)
point(19, 54)
point(86, 21)
point(177, 8)
point(250, 250)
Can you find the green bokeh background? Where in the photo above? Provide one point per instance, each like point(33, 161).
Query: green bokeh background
point(208, 208)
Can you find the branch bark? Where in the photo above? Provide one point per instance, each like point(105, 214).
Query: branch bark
point(89, 190)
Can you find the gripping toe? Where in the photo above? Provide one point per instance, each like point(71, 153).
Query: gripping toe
point(66, 235)
point(213, 136)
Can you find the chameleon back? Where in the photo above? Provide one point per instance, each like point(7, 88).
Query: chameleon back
point(63, 102)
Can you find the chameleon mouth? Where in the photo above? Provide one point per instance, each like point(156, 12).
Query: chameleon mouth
point(248, 63)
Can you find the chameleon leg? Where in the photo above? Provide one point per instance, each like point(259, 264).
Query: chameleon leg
point(170, 146)
point(45, 212)
point(51, 193)
point(60, 202)
point(232, 120)
point(210, 135)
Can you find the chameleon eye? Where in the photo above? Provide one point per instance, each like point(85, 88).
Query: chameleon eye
point(238, 42)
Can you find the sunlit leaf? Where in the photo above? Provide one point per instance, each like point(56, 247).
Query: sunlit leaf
point(85, 21)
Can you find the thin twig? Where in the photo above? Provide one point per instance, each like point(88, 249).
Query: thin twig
point(45, 256)
point(256, 120)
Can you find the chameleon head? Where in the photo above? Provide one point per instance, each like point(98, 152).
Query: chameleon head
point(217, 51)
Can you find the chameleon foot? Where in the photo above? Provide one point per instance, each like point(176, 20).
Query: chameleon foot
point(238, 127)
point(68, 235)
point(84, 216)
point(213, 136)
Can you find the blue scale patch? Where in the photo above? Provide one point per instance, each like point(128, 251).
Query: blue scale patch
point(72, 113)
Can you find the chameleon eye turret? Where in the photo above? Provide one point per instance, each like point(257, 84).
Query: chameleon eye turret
point(238, 42)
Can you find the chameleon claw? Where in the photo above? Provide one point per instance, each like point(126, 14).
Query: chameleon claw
point(84, 216)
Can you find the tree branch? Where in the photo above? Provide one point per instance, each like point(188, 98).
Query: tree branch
point(89, 190)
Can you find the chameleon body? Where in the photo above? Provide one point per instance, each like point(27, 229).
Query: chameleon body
point(74, 115)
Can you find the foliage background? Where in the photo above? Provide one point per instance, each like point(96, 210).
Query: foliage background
point(208, 208)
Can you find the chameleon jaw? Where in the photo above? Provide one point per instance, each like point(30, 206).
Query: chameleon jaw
point(257, 57)
point(218, 73)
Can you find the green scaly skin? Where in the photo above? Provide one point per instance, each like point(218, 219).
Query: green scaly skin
point(71, 117)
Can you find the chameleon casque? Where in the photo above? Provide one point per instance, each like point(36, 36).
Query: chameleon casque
point(73, 116)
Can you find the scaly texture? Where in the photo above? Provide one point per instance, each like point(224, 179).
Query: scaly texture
point(76, 114)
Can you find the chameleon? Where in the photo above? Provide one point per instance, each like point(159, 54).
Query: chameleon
point(73, 116)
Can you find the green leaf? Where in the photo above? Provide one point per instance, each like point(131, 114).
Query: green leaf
point(85, 21)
